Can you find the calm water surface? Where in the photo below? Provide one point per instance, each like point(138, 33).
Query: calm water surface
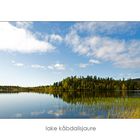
point(68, 105)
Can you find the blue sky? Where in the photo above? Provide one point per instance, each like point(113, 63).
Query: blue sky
point(40, 53)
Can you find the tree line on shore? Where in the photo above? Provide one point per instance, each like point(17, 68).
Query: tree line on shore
point(91, 83)
point(79, 84)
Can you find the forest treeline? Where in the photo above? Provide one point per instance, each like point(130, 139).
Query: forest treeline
point(91, 83)
point(73, 83)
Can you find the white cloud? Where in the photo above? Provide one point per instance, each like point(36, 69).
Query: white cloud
point(24, 24)
point(121, 53)
point(51, 67)
point(74, 40)
point(107, 28)
point(82, 65)
point(57, 66)
point(92, 61)
point(37, 66)
point(14, 39)
point(55, 37)
point(17, 64)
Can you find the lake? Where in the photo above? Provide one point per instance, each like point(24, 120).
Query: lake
point(121, 104)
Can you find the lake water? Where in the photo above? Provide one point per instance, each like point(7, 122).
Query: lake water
point(87, 105)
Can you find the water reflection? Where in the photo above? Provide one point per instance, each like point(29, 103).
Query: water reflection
point(109, 104)
point(93, 97)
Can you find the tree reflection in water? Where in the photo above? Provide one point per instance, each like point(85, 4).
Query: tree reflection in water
point(103, 104)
